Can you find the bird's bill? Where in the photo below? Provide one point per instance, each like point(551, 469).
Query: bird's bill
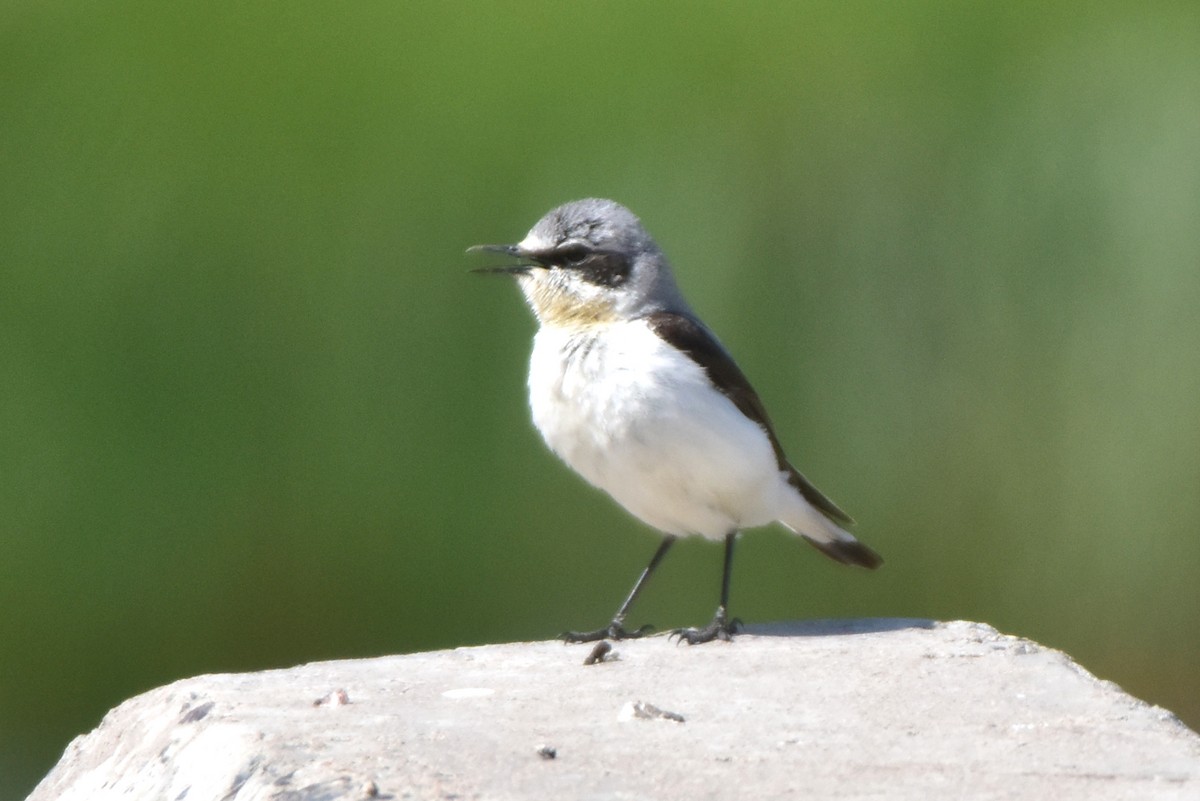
point(506, 250)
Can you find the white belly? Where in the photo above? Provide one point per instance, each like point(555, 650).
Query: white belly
point(640, 420)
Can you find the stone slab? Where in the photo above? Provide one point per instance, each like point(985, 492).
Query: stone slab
point(866, 709)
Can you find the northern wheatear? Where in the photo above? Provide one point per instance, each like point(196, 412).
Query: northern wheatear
point(631, 390)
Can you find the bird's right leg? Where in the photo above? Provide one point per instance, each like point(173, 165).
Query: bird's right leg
point(616, 629)
point(721, 628)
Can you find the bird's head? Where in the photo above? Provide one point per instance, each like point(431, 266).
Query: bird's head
point(589, 262)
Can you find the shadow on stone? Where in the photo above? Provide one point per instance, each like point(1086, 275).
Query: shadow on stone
point(830, 628)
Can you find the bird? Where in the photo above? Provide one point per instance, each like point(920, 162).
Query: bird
point(632, 391)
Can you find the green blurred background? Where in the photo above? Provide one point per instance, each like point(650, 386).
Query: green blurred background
point(255, 412)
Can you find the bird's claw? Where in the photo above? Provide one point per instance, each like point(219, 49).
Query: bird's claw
point(719, 629)
point(613, 631)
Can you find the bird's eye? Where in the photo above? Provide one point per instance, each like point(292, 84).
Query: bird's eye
point(574, 254)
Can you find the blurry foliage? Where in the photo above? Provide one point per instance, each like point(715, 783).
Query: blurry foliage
point(255, 412)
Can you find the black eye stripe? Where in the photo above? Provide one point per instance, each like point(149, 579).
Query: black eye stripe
point(605, 269)
point(572, 255)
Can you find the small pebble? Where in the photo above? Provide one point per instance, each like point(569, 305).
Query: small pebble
point(640, 710)
point(338, 697)
point(599, 653)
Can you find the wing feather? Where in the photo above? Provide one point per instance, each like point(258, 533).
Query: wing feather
point(691, 337)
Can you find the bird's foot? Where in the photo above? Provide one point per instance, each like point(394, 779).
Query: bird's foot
point(719, 629)
point(613, 631)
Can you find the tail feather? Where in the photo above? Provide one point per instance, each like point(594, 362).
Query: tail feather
point(822, 528)
point(848, 552)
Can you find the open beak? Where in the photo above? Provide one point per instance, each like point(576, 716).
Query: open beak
point(506, 250)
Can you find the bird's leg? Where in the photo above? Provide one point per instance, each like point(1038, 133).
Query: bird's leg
point(616, 629)
point(721, 627)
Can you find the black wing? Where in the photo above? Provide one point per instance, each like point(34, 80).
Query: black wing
point(690, 336)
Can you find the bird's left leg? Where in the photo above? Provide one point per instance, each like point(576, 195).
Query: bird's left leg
point(616, 630)
point(721, 627)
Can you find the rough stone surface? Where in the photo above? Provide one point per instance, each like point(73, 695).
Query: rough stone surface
point(883, 709)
